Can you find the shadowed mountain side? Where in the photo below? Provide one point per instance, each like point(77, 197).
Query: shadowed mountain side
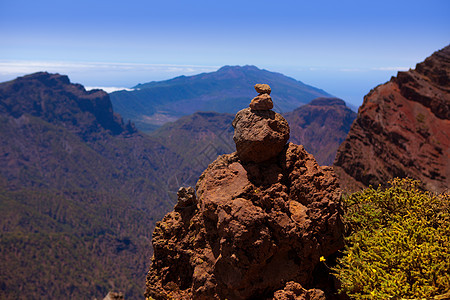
point(152, 104)
point(199, 138)
point(321, 126)
point(402, 130)
point(79, 192)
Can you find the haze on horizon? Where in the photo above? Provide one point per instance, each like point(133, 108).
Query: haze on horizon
point(343, 47)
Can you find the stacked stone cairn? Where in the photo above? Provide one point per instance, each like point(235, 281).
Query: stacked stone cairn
point(260, 133)
point(263, 101)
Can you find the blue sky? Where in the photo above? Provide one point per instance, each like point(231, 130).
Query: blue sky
point(343, 47)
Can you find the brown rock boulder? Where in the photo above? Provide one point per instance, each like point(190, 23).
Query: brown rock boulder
point(186, 198)
point(114, 296)
point(295, 291)
point(252, 228)
point(261, 102)
point(402, 130)
point(259, 135)
point(262, 88)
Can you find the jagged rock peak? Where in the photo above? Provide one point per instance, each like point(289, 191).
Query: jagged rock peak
point(429, 83)
point(402, 130)
point(186, 198)
point(260, 133)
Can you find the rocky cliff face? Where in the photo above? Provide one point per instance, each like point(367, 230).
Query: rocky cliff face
point(255, 226)
point(53, 98)
point(402, 130)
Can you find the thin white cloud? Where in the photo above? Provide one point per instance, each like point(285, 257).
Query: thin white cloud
point(350, 70)
point(26, 67)
point(108, 89)
point(363, 69)
point(107, 75)
point(15, 67)
point(391, 69)
point(374, 69)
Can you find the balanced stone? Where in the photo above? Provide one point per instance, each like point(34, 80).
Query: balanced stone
point(259, 134)
point(262, 88)
point(261, 102)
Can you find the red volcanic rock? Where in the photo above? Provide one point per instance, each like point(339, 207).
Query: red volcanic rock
point(252, 228)
point(261, 102)
point(259, 134)
point(402, 130)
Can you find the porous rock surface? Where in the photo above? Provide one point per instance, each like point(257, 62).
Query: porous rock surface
point(254, 229)
point(295, 291)
point(261, 102)
point(259, 134)
point(263, 88)
point(402, 130)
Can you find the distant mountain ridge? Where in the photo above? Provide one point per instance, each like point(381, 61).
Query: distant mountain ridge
point(225, 91)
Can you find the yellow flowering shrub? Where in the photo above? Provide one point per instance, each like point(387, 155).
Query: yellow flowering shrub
point(398, 245)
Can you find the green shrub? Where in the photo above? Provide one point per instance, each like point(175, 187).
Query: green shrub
point(398, 245)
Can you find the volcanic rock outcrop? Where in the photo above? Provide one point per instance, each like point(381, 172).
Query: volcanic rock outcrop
point(402, 130)
point(252, 229)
